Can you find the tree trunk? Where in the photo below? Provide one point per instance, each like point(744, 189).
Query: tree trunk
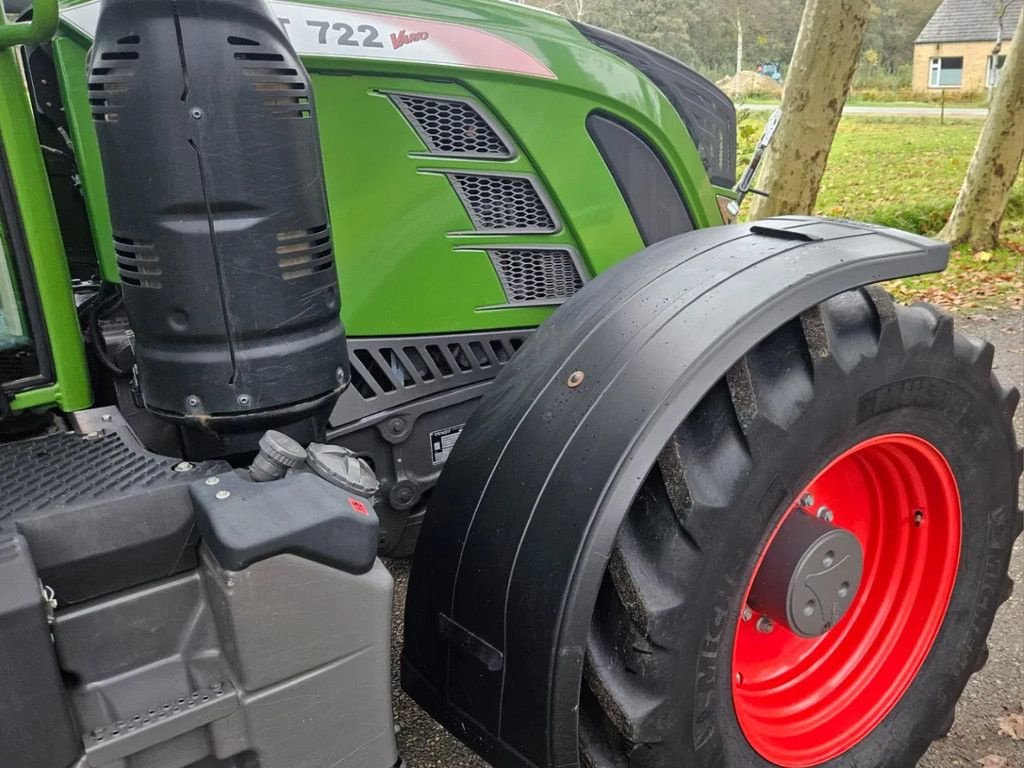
point(739, 41)
point(978, 214)
point(818, 81)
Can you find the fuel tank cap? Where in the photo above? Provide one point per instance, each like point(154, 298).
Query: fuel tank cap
point(341, 467)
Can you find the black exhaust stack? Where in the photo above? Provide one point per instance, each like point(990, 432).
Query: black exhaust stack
point(207, 130)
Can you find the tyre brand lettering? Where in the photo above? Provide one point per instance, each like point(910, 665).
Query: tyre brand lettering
point(915, 392)
point(707, 675)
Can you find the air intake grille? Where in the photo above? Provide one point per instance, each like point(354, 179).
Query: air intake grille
point(111, 76)
point(504, 203)
point(137, 263)
point(536, 275)
point(453, 127)
point(387, 373)
point(283, 89)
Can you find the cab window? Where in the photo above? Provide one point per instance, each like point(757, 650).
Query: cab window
point(18, 358)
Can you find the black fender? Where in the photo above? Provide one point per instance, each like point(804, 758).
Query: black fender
point(524, 517)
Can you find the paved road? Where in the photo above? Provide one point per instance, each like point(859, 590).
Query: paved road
point(884, 111)
point(991, 694)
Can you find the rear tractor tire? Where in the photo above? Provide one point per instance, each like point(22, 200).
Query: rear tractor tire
point(810, 571)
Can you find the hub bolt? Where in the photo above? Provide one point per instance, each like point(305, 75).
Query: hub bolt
point(765, 625)
point(807, 501)
point(747, 613)
point(826, 514)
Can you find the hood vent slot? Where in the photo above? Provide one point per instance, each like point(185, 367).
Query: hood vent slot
point(304, 252)
point(112, 76)
point(505, 203)
point(452, 127)
point(137, 263)
point(282, 87)
point(537, 276)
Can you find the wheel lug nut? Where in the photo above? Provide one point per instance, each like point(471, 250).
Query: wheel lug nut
point(747, 613)
point(807, 500)
point(826, 514)
point(765, 625)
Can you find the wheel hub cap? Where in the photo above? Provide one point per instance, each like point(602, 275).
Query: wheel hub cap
point(879, 559)
point(809, 577)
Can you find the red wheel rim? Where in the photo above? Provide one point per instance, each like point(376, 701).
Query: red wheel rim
point(801, 702)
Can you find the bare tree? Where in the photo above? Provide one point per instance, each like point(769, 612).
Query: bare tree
point(981, 205)
point(572, 9)
point(739, 41)
point(818, 82)
point(1000, 7)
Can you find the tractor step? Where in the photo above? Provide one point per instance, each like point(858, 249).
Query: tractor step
point(165, 721)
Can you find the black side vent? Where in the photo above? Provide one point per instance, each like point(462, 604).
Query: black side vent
point(282, 87)
point(646, 183)
point(505, 203)
point(304, 252)
point(137, 263)
point(389, 372)
point(454, 127)
point(111, 77)
point(537, 275)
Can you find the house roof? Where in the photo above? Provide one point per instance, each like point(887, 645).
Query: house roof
point(958, 21)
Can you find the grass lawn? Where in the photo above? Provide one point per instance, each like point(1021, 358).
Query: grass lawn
point(905, 173)
point(855, 102)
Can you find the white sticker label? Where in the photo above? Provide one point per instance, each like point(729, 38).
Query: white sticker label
point(442, 442)
point(328, 31)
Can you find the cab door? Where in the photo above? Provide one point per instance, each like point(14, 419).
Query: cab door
point(42, 359)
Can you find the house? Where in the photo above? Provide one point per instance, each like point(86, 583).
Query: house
point(954, 50)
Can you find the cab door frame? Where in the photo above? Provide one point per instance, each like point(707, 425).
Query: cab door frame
point(38, 251)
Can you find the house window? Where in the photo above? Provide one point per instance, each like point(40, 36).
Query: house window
point(946, 72)
point(995, 63)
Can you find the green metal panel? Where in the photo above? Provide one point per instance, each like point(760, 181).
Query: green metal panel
point(402, 269)
point(70, 389)
point(38, 30)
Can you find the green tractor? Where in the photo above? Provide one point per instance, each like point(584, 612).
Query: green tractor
point(678, 491)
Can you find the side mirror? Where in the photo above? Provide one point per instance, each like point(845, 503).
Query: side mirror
point(38, 30)
point(745, 183)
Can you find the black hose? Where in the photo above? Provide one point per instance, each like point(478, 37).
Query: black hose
point(101, 304)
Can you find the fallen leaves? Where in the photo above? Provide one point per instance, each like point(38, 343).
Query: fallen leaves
point(984, 279)
point(1013, 725)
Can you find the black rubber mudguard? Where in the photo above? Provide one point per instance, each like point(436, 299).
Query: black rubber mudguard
point(525, 515)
